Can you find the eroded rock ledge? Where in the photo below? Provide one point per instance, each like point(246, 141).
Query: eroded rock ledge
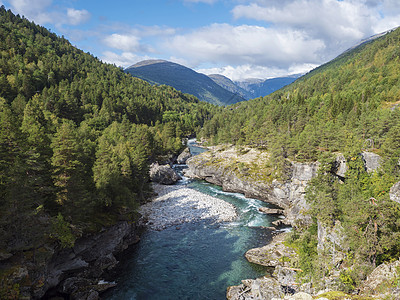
point(77, 272)
point(244, 170)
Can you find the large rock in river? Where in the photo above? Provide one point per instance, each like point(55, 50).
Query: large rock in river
point(163, 174)
point(272, 255)
point(184, 156)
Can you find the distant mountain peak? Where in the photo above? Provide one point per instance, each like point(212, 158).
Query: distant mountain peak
point(184, 79)
point(147, 62)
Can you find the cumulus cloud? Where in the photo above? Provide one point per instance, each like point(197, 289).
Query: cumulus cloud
point(242, 72)
point(124, 59)
point(137, 39)
point(35, 10)
point(42, 12)
point(339, 24)
point(76, 16)
point(255, 45)
point(123, 42)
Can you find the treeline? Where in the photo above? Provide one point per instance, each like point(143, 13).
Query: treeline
point(76, 137)
point(344, 102)
point(349, 106)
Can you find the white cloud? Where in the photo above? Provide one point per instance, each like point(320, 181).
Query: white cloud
point(128, 43)
point(35, 10)
point(125, 59)
point(242, 72)
point(77, 16)
point(42, 12)
point(254, 45)
point(337, 24)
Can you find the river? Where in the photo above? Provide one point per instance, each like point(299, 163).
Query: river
point(194, 260)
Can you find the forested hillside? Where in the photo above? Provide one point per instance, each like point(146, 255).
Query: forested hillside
point(346, 106)
point(185, 80)
point(77, 137)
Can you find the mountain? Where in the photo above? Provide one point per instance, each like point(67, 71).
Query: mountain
point(231, 86)
point(184, 79)
point(260, 88)
point(253, 88)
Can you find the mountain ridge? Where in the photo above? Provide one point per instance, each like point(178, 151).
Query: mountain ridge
point(183, 79)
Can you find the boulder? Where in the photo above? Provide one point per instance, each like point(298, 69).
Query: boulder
point(271, 211)
point(304, 171)
point(372, 161)
point(340, 167)
point(184, 156)
point(272, 255)
point(381, 281)
point(395, 192)
point(286, 277)
point(264, 288)
point(299, 296)
point(163, 174)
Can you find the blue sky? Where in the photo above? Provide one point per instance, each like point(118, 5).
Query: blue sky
point(238, 38)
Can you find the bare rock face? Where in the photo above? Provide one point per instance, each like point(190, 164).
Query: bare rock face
point(76, 271)
point(380, 282)
point(263, 288)
point(272, 255)
point(395, 192)
point(340, 167)
point(271, 211)
point(163, 174)
point(372, 161)
point(229, 168)
point(184, 156)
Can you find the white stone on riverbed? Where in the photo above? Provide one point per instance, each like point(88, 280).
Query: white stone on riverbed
point(177, 204)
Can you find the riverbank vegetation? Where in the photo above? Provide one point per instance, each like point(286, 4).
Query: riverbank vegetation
point(347, 106)
point(77, 136)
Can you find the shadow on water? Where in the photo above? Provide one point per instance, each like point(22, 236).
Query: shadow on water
point(197, 261)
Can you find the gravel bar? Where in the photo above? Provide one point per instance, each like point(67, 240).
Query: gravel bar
point(177, 204)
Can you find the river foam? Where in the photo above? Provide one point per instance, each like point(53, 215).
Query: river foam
point(177, 204)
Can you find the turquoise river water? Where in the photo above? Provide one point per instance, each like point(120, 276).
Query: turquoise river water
point(197, 260)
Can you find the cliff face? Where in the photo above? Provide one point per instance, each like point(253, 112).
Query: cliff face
point(74, 271)
point(247, 171)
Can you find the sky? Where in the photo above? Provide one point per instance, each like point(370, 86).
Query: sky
point(239, 38)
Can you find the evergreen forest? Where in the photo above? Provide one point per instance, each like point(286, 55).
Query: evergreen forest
point(347, 106)
point(77, 137)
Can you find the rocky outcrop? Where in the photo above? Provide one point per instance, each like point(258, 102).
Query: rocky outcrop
point(271, 211)
point(383, 281)
point(372, 161)
point(395, 192)
point(264, 288)
point(163, 174)
point(331, 237)
point(340, 166)
point(184, 156)
point(272, 255)
point(236, 173)
point(75, 271)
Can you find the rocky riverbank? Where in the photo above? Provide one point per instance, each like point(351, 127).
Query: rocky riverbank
point(249, 171)
point(177, 204)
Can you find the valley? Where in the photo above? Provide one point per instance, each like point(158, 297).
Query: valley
point(292, 193)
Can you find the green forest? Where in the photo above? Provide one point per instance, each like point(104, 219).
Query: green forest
point(77, 137)
point(347, 106)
